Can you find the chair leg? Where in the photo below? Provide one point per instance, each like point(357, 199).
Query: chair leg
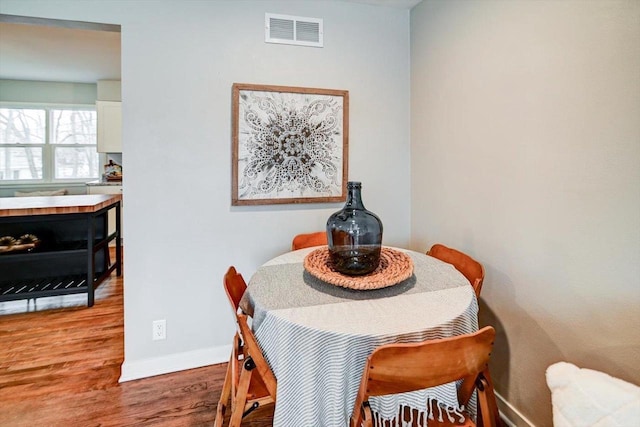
point(368, 416)
point(240, 398)
point(489, 414)
point(485, 417)
point(362, 417)
point(236, 354)
point(224, 395)
point(491, 397)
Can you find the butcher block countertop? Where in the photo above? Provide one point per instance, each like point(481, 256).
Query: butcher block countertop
point(52, 205)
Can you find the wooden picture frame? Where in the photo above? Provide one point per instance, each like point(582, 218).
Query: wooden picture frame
point(290, 145)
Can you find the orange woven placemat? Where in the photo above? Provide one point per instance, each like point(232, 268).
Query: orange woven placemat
point(394, 267)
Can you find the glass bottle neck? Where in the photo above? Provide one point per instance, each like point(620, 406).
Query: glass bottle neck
point(354, 198)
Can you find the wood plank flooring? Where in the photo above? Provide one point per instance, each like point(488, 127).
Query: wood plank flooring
point(60, 363)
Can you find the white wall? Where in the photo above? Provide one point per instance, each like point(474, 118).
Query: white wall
point(525, 153)
point(179, 60)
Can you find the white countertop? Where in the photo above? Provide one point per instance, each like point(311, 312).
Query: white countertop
point(101, 183)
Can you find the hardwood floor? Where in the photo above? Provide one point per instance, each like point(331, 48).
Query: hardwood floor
point(60, 363)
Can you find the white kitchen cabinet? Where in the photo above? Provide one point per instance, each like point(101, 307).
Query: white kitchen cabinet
point(109, 126)
point(110, 189)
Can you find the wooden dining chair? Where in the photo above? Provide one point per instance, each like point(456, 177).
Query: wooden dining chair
point(308, 240)
point(469, 267)
point(400, 368)
point(249, 381)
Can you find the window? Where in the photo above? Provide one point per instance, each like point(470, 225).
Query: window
point(48, 144)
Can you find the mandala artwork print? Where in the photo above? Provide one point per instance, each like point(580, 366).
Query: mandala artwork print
point(291, 145)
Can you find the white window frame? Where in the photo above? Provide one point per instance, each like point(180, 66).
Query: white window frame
point(48, 160)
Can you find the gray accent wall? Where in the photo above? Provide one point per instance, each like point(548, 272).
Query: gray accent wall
point(525, 153)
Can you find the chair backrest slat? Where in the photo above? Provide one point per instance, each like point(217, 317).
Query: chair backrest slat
point(469, 267)
point(234, 286)
point(398, 368)
point(308, 240)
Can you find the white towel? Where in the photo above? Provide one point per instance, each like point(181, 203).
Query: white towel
point(588, 398)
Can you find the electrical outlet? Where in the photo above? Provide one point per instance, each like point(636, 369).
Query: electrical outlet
point(159, 330)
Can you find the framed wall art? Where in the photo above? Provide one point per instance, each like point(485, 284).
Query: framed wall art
point(290, 145)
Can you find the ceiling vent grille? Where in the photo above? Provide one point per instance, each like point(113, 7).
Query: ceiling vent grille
point(296, 30)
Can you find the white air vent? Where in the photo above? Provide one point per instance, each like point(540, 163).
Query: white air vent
point(286, 29)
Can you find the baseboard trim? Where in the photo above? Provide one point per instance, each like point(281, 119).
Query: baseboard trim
point(511, 416)
point(153, 366)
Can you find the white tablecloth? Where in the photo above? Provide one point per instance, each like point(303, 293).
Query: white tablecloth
point(317, 336)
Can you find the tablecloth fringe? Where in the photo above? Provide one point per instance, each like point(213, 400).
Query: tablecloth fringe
point(435, 409)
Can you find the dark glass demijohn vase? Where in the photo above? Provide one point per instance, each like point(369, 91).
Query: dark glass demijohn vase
point(354, 236)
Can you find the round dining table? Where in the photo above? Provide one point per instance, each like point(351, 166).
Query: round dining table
point(316, 336)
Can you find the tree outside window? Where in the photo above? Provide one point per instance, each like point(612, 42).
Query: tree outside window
point(48, 144)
